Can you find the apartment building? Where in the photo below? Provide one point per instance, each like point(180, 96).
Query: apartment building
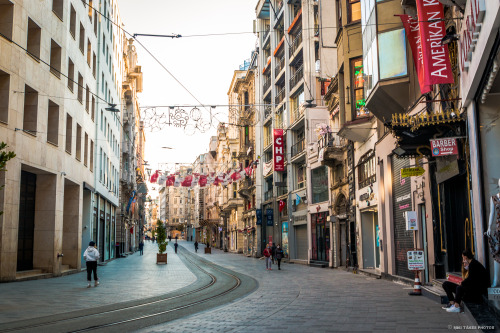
point(297, 53)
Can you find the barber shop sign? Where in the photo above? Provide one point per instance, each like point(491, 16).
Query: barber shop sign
point(278, 150)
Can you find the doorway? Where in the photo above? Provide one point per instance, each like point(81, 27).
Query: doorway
point(320, 237)
point(26, 228)
point(370, 229)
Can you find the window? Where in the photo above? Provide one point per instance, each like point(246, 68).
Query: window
point(101, 169)
point(4, 96)
point(82, 38)
point(58, 8)
point(72, 22)
point(95, 22)
point(85, 151)
point(80, 88)
point(94, 65)
point(366, 170)
point(78, 154)
point(30, 110)
point(7, 18)
point(91, 164)
point(89, 53)
point(301, 176)
point(354, 10)
point(319, 184)
point(87, 99)
point(34, 34)
point(71, 74)
point(392, 54)
point(53, 123)
point(55, 59)
point(69, 132)
point(90, 9)
point(93, 107)
point(358, 91)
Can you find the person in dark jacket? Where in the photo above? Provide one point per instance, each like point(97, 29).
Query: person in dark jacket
point(141, 248)
point(176, 245)
point(472, 287)
point(273, 253)
point(279, 255)
point(196, 246)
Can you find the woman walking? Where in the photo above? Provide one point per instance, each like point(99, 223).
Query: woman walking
point(91, 255)
point(279, 255)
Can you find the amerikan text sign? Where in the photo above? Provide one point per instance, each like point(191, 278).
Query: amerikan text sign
point(444, 147)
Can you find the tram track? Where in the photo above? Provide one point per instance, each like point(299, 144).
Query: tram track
point(222, 282)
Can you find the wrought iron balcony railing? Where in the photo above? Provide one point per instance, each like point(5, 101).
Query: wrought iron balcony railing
point(268, 111)
point(279, 66)
point(280, 95)
point(299, 74)
point(298, 147)
point(297, 40)
point(267, 83)
point(268, 195)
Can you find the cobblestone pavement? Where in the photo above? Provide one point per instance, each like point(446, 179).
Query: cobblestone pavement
point(127, 279)
point(300, 298)
point(295, 299)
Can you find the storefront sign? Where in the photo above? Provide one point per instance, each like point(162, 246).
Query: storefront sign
point(278, 150)
point(435, 55)
point(411, 220)
point(258, 213)
point(412, 172)
point(472, 29)
point(416, 260)
point(443, 147)
point(269, 216)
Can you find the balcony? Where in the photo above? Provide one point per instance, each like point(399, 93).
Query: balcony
point(280, 64)
point(282, 191)
point(267, 83)
point(299, 74)
point(297, 41)
point(268, 195)
point(298, 147)
point(333, 148)
point(266, 33)
point(297, 113)
point(267, 140)
point(280, 95)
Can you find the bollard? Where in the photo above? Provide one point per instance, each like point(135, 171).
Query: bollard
point(417, 287)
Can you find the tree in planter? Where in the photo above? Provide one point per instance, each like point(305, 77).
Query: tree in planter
point(161, 237)
point(5, 156)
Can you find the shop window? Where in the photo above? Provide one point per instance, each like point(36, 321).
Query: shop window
point(319, 183)
point(58, 8)
point(71, 74)
point(80, 88)
point(53, 123)
point(69, 132)
point(366, 170)
point(78, 154)
point(30, 110)
point(354, 10)
point(72, 21)
point(6, 18)
point(86, 149)
point(55, 59)
point(4, 96)
point(358, 90)
point(34, 39)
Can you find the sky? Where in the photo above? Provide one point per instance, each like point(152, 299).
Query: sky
point(204, 65)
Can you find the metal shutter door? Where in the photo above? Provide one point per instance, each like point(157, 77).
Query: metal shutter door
point(301, 241)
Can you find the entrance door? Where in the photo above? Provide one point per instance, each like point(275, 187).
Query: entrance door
point(320, 237)
point(26, 222)
point(343, 243)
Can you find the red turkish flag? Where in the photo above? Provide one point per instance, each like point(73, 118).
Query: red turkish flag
point(203, 181)
point(282, 205)
point(187, 181)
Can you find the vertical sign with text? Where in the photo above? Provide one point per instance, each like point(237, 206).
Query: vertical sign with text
point(278, 150)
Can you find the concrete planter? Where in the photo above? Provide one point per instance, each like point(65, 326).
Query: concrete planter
point(208, 250)
point(161, 258)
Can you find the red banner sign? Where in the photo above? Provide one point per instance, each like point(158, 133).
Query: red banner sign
point(413, 34)
point(278, 150)
point(436, 60)
point(444, 147)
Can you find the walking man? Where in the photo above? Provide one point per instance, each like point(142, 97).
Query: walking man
point(141, 248)
point(176, 245)
point(196, 246)
point(91, 255)
point(267, 254)
point(279, 255)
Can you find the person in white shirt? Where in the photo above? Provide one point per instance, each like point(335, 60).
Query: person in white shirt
point(91, 256)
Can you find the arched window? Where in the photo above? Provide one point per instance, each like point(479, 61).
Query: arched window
point(366, 169)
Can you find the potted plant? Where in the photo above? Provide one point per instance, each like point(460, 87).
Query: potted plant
point(161, 240)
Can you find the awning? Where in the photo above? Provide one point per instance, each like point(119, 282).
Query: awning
point(263, 11)
point(357, 130)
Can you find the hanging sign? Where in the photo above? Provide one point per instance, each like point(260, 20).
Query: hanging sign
point(435, 55)
point(416, 260)
point(258, 213)
point(412, 172)
point(443, 147)
point(269, 216)
point(278, 150)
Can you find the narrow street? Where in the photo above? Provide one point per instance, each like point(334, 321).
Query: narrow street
point(297, 298)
